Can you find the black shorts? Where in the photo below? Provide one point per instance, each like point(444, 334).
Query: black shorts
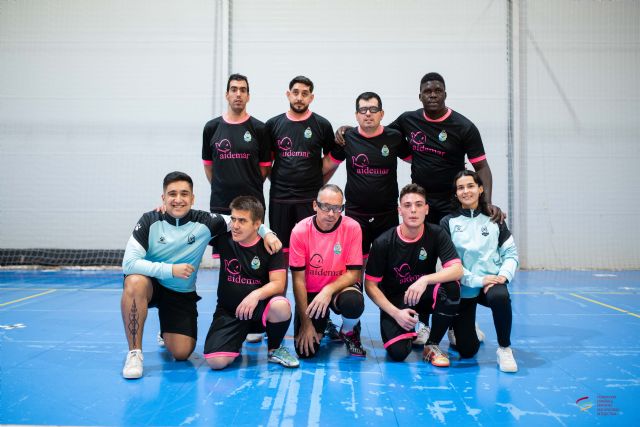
point(177, 311)
point(373, 226)
point(320, 324)
point(390, 331)
point(284, 216)
point(227, 332)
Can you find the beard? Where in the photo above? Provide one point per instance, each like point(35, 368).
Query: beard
point(298, 110)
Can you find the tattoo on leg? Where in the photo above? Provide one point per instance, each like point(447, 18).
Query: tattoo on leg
point(133, 322)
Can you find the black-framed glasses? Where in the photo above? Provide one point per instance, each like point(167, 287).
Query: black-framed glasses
point(326, 207)
point(373, 109)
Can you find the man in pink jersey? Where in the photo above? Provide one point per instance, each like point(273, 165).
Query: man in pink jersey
point(326, 261)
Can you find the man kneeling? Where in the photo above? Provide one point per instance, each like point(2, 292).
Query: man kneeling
point(249, 286)
point(401, 279)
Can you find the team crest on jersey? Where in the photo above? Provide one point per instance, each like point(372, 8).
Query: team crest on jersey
point(457, 228)
point(385, 151)
point(247, 137)
point(484, 231)
point(337, 249)
point(307, 133)
point(191, 239)
point(422, 255)
point(255, 263)
point(443, 136)
point(162, 240)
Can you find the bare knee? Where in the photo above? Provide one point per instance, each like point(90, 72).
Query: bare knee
point(180, 346)
point(219, 362)
point(136, 286)
point(279, 311)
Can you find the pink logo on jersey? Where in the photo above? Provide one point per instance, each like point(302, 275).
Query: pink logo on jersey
point(403, 271)
point(232, 266)
point(316, 261)
point(418, 138)
point(360, 161)
point(223, 146)
point(285, 144)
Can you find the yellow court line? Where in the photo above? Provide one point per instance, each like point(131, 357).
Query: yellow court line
point(605, 305)
point(29, 297)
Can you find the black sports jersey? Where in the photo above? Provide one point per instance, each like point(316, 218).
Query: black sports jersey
point(439, 147)
point(372, 163)
point(396, 263)
point(243, 269)
point(297, 147)
point(236, 151)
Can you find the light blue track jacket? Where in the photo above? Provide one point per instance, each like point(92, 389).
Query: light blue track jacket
point(485, 248)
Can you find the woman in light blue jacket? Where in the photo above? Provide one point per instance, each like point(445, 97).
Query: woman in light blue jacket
point(490, 260)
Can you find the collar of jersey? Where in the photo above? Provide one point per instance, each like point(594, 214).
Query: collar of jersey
point(315, 224)
point(471, 213)
point(174, 221)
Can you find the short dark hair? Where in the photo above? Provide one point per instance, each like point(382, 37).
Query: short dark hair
point(412, 189)
point(429, 77)
point(175, 177)
point(483, 206)
point(238, 77)
point(365, 96)
point(248, 203)
point(331, 187)
point(302, 79)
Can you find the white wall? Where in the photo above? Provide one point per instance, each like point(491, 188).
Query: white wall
point(98, 100)
point(579, 204)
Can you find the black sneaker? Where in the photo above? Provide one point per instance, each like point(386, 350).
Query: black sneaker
point(352, 340)
point(331, 332)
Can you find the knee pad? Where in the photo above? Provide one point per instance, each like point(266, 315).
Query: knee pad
point(350, 304)
point(399, 350)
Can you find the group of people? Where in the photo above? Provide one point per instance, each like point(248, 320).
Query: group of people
point(446, 212)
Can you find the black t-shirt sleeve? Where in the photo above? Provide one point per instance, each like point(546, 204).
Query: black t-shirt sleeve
point(328, 138)
point(337, 152)
point(207, 134)
point(276, 261)
point(446, 249)
point(264, 143)
point(473, 142)
point(396, 124)
point(377, 257)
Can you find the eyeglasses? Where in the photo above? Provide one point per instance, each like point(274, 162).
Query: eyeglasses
point(326, 207)
point(372, 109)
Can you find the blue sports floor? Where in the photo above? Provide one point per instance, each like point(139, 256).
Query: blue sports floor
point(576, 338)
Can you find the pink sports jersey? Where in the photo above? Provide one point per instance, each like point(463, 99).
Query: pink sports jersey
point(325, 256)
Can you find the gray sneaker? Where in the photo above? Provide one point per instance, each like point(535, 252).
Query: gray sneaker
point(282, 356)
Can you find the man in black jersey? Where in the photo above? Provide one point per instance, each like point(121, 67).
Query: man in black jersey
point(401, 279)
point(251, 281)
point(235, 153)
point(440, 138)
point(371, 152)
point(298, 140)
point(235, 150)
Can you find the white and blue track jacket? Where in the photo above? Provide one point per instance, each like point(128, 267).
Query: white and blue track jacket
point(485, 248)
point(158, 241)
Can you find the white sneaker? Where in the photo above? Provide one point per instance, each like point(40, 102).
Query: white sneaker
point(160, 339)
point(479, 333)
point(133, 366)
point(253, 338)
point(505, 360)
point(423, 334)
point(452, 337)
